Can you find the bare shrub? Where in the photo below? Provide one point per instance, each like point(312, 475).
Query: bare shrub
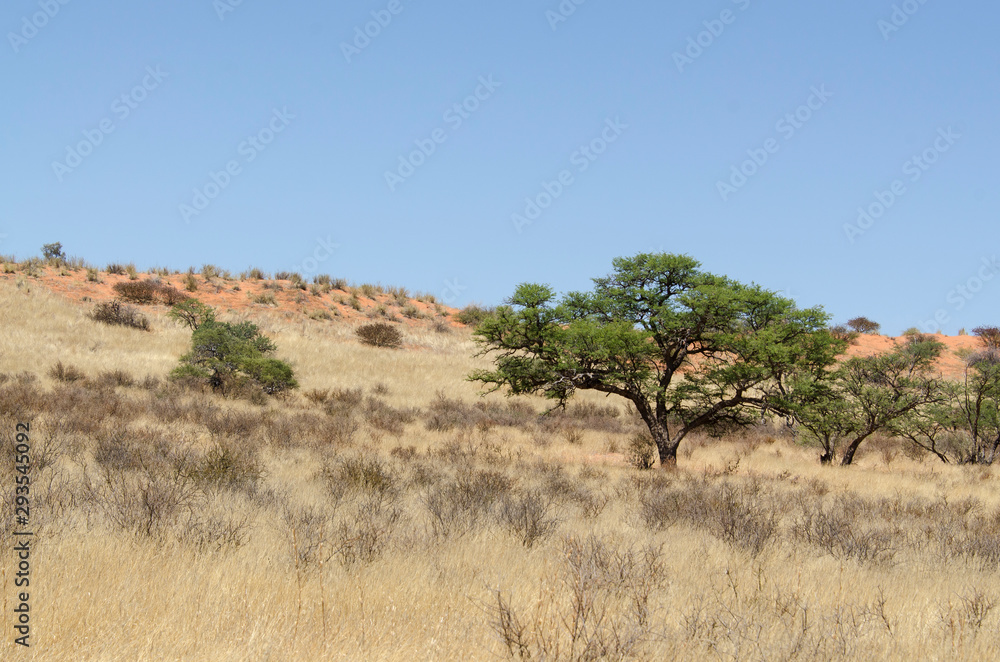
point(380, 334)
point(447, 413)
point(67, 374)
point(381, 416)
point(365, 534)
point(743, 519)
point(214, 533)
point(605, 609)
point(464, 504)
point(366, 473)
point(112, 378)
point(528, 516)
point(146, 504)
point(139, 291)
point(116, 313)
point(227, 466)
point(840, 530)
point(641, 452)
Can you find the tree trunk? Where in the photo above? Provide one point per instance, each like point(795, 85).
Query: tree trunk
point(853, 447)
point(665, 447)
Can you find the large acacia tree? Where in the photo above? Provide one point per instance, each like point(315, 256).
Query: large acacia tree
point(687, 348)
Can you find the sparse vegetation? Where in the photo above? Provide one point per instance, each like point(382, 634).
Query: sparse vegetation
point(392, 513)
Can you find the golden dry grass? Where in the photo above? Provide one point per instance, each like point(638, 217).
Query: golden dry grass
point(295, 580)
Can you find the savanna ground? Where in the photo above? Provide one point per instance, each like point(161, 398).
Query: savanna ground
point(385, 511)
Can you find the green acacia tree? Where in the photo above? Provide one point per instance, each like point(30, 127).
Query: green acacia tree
point(976, 401)
point(229, 355)
point(687, 348)
point(893, 391)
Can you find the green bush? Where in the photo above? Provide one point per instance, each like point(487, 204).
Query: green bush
point(473, 315)
point(231, 357)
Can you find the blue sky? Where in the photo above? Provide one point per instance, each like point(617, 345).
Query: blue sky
point(460, 148)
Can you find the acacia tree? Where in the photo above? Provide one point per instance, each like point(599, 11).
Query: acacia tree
point(227, 355)
point(977, 404)
point(864, 325)
point(687, 348)
point(891, 391)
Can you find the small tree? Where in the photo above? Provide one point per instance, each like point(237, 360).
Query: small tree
point(229, 356)
point(864, 325)
point(989, 336)
point(868, 394)
point(191, 313)
point(53, 251)
point(977, 401)
point(689, 349)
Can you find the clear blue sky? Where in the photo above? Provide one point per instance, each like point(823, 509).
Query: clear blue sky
point(664, 121)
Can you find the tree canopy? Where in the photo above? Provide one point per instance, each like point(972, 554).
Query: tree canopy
point(689, 349)
point(230, 355)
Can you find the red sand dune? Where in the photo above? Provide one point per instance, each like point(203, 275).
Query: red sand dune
point(292, 301)
point(950, 364)
point(220, 294)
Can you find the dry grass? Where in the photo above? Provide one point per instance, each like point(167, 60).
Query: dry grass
point(385, 512)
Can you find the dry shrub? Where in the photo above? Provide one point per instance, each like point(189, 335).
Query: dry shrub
point(140, 292)
point(146, 503)
point(150, 291)
point(360, 473)
point(366, 533)
point(227, 466)
point(528, 516)
point(464, 504)
point(641, 452)
point(112, 378)
point(380, 334)
point(447, 413)
point(740, 514)
point(381, 416)
point(846, 528)
point(68, 374)
point(604, 607)
point(116, 313)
